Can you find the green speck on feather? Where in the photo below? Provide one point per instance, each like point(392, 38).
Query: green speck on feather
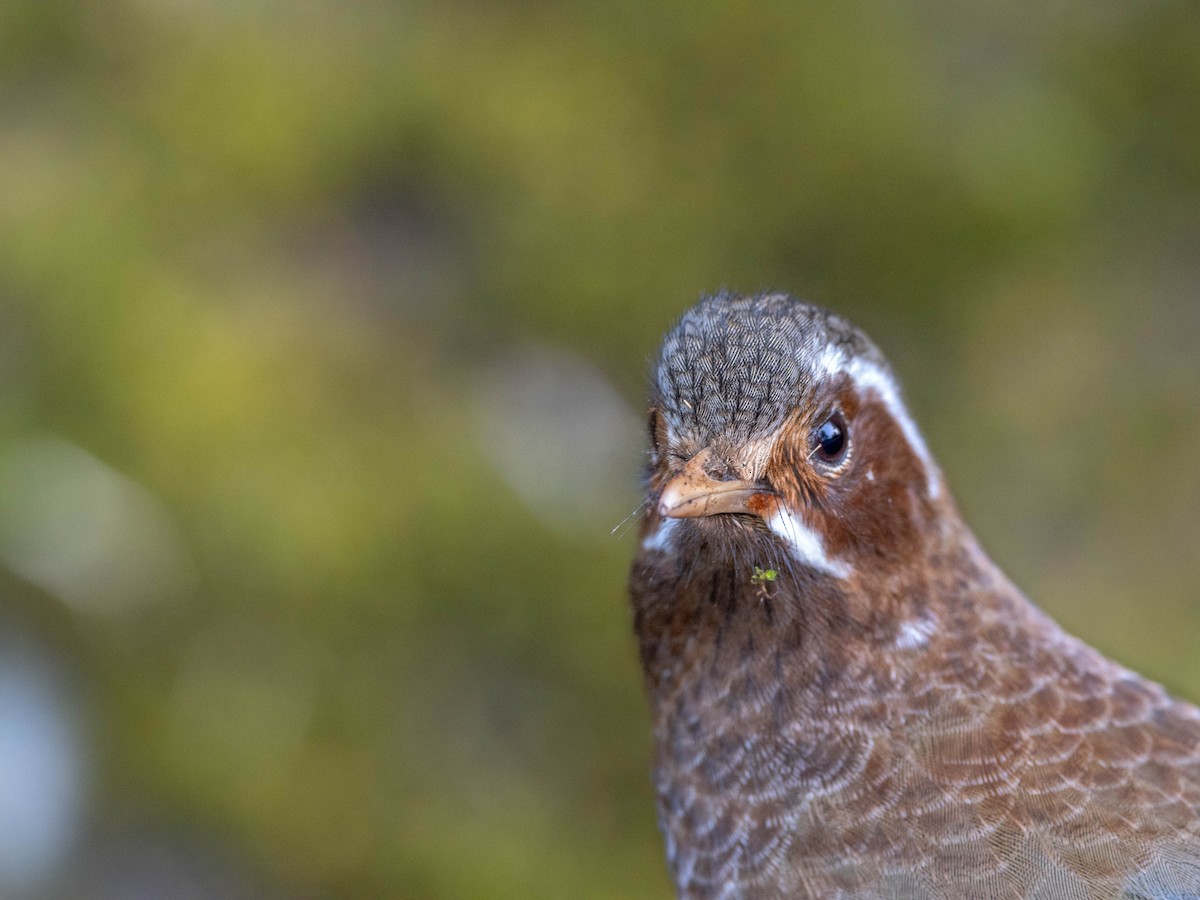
point(763, 575)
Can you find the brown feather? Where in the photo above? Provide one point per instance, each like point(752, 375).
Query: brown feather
point(915, 729)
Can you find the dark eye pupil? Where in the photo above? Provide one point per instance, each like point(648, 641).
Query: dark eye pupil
point(655, 428)
point(831, 440)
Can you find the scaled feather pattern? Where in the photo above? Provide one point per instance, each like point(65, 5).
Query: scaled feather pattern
point(888, 716)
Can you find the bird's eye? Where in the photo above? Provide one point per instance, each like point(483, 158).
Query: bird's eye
point(655, 427)
point(830, 440)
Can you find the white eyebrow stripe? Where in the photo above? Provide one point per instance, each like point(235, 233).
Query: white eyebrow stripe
point(806, 545)
point(868, 377)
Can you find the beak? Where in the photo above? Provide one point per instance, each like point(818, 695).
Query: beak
point(693, 492)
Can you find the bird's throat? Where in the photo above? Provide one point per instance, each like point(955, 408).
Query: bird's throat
point(705, 631)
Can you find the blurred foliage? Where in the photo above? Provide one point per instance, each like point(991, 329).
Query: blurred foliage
point(291, 271)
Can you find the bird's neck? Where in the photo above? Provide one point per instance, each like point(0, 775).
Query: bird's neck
point(720, 633)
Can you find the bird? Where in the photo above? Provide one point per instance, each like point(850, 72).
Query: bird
point(849, 698)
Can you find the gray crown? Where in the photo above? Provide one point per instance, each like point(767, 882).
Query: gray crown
point(734, 366)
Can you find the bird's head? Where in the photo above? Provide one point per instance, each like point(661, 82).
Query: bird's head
point(778, 432)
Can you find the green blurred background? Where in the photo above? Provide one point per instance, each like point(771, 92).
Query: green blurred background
point(323, 338)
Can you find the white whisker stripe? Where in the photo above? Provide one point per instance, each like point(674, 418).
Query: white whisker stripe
point(806, 545)
point(660, 538)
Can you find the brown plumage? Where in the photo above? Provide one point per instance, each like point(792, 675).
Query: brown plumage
point(850, 700)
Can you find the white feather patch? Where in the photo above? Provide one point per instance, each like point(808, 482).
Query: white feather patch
point(660, 538)
point(915, 633)
point(806, 545)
